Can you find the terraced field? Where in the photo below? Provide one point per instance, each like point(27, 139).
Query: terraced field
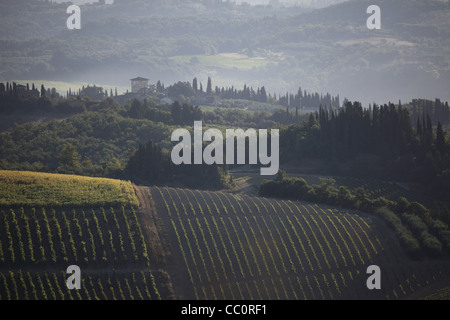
point(239, 247)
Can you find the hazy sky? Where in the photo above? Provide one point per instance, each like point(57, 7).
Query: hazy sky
point(378, 68)
point(307, 2)
point(78, 2)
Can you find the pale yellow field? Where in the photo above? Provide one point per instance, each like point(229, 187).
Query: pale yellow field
point(20, 188)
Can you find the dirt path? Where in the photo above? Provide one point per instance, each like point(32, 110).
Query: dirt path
point(159, 251)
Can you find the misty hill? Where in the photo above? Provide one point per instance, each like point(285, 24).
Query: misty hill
point(326, 50)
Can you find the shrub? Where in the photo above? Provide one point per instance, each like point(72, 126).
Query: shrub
point(414, 215)
point(402, 205)
point(415, 223)
point(431, 244)
point(418, 209)
point(345, 198)
point(383, 202)
point(407, 239)
point(441, 230)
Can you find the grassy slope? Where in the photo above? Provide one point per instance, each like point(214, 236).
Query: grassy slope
point(19, 188)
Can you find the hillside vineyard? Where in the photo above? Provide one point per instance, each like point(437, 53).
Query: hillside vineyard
point(238, 247)
point(108, 244)
point(188, 244)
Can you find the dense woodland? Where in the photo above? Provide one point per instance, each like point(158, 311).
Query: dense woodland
point(101, 137)
point(150, 164)
point(381, 140)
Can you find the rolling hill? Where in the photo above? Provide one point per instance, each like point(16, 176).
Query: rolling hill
point(47, 225)
point(189, 244)
point(239, 247)
point(325, 50)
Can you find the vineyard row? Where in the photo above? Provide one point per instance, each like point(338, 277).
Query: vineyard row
point(21, 285)
point(92, 237)
point(238, 247)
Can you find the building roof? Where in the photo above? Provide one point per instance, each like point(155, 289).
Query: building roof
point(139, 79)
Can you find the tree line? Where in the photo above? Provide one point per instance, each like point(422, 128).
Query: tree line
point(420, 231)
point(29, 99)
point(437, 110)
point(151, 164)
point(195, 92)
point(377, 142)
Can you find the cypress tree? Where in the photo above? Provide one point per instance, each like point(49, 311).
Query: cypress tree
point(440, 139)
point(428, 133)
point(419, 128)
point(263, 94)
point(424, 125)
point(209, 86)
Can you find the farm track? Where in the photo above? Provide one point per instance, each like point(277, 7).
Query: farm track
point(147, 211)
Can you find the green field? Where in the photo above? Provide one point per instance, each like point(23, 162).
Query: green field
point(227, 61)
point(247, 106)
point(20, 188)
